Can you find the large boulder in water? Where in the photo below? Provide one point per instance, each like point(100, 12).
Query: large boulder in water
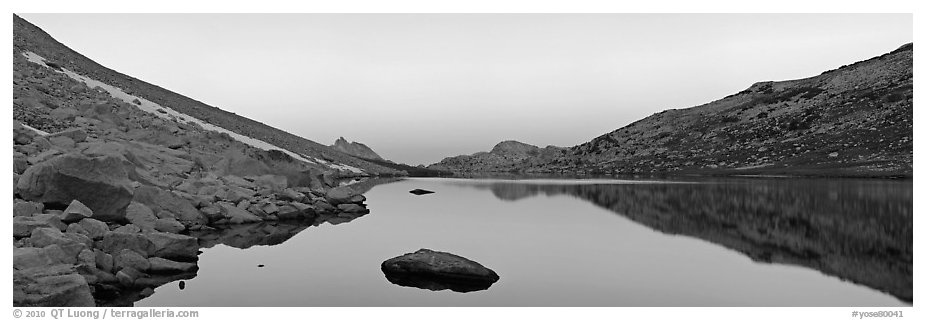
point(101, 183)
point(435, 270)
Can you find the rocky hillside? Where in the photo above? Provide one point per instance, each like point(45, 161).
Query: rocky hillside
point(853, 121)
point(505, 156)
point(29, 38)
point(356, 149)
point(114, 194)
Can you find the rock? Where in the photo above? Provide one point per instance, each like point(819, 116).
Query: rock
point(130, 259)
point(101, 183)
point(27, 209)
point(272, 182)
point(23, 226)
point(76, 228)
point(161, 201)
point(140, 215)
point(86, 258)
point(62, 142)
point(76, 135)
point(289, 213)
point(170, 225)
point(72, 243)
point(236, 215)
point(340, 195)
point(161, 265)
point(96, 229)
point(419, 192)
point(64, 114)
point(444, 268)
point(30, 257)
point(20, 164)
point(127, 276)
point(270, 208)
point(213, 213)
point(324, 206)
point(291, 195)
point(104, 261)
point(114, 242)
point(173, 246)
point(52, 286)
point(146, 292)
point(238, 182)
point(357, 199)
point(129, 228)
point(352, 208)
point(75, 211)
point(42, 157)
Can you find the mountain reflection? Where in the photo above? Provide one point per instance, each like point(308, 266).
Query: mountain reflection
point(857, 230)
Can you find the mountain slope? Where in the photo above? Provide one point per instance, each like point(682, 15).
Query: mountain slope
point(505, 156)
point(853, 121)
point(29, 38)
point(356, 149)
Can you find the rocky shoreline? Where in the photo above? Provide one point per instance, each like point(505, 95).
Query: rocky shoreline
point(111, 200)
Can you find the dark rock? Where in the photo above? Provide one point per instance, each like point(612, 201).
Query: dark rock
point(76, 211)
point(173, 246)
point(237, 215)
point(96, 229)
point(433, 269)
point(114, 242)
point(272, 182)
point(162, 201)
point(104, 261)
point(140, 215)
point(353, 208)
point(27, 208)
point(340, 195)
point(26, 258)
point(101, 183)
point(52, 286)
point(419, 192)
point(76, 134)
point(161, 265)
point(130, 259)
point(129, 228)
point(23, 226)
point(169, 225)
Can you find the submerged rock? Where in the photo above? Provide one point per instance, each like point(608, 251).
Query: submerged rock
point(419, 192)
point(435, 270)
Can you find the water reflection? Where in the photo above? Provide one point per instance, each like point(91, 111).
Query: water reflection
point(857, 230)
point(236, 236)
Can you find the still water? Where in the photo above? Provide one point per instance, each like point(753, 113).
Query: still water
point(722, 242)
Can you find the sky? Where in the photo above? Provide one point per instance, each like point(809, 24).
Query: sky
point(420, 87)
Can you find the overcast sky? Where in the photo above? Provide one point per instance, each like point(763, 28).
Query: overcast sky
point(420, 87)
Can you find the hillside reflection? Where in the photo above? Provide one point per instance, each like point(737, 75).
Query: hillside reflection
point(857, 230)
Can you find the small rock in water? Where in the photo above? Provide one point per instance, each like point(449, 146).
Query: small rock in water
point(419, 192)
point(182, 284)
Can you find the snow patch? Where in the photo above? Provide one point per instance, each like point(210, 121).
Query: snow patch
point(40, 132)
point(173, 115)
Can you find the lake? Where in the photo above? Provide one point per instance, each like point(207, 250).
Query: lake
point(574, 242)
